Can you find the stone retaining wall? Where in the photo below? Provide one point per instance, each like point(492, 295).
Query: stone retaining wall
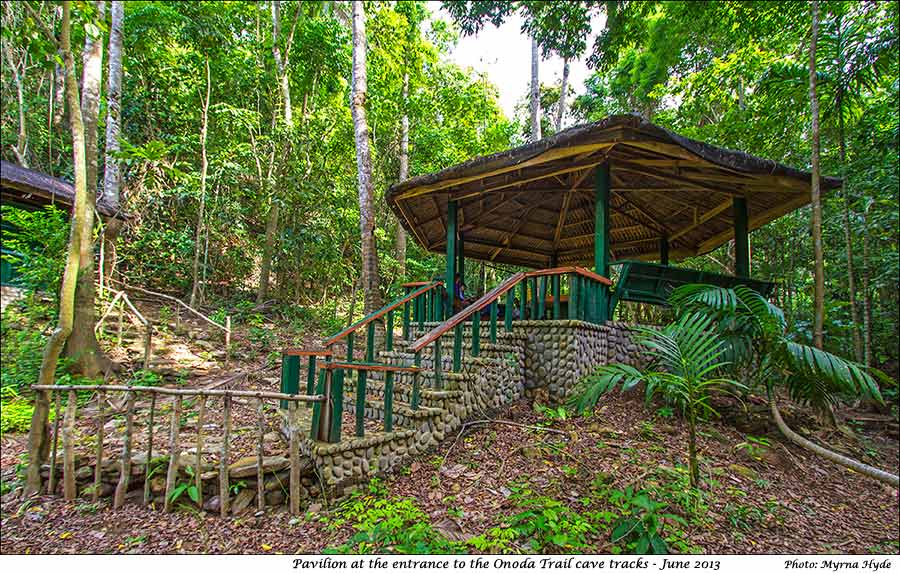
point(559, 353)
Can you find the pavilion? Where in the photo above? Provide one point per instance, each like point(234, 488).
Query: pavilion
point(592, 195)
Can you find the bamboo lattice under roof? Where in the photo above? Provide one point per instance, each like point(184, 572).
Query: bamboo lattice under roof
point(525, 205)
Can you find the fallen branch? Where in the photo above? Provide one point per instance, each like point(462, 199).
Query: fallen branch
point(846, 462)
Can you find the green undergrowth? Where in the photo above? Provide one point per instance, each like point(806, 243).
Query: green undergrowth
point(629, 520)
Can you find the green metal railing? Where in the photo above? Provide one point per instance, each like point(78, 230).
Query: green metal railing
point(422, 302)
point(581, 298)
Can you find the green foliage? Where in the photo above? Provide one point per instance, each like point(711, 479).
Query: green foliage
point(35, 243)
point(186, 487)
point(388, 525)
point(545, 524)
point(640, 529)
point(755, 331)
point(686, 356)
point(15, 416)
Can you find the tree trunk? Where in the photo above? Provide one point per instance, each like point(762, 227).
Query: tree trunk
point(844, 461)
point(369, 254)
point(82, 347)
point(204, 164)
point(692, 451)
point(535, 92)
point(17, 67)
point(112, 177)
point(848, 241)
point(867, 295)
point(37, 437)
point(819, 290)
point(281, 64)
point(262, 294)
point(403, 175)
point(563, 86)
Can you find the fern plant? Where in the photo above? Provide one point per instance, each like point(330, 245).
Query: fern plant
point(685, 359)
point(755, 332)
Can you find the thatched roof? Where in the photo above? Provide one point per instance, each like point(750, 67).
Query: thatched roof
point(526, 204)
point(29, 187)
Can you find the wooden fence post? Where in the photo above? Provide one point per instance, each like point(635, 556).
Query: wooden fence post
point(148, 336)
point(69, 447)
point(98, 456)
point(198, 466)
point(261, 432)
point(174, 453)
point(223, 459)
point(294, 457)
point(125, 470)
point(147, 467)
point(51, 485)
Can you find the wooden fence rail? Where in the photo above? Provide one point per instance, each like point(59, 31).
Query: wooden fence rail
point(174, 448)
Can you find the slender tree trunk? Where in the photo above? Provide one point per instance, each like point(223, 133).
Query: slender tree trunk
point(17, 67)
point(369, 254)
point(563, 87)
point(281, 63)
point(204, 164)
point(867, 295)
point(819, 254)
point(844, 461)
point(282, 68)
point(404, 174)
point(37, 437)
point(112, 176)
point(82, 346)
point(848, 234)
point(535, 92)
point(692, 451)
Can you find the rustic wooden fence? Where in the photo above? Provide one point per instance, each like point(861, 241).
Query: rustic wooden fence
point(67, 421)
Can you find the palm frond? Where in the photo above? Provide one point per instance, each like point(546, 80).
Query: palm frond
point(828, 372)
point(604, 379)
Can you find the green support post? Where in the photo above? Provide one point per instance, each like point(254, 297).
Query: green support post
point(534, 297)
point(317, 409)
point(572, 311)
point(290, 376)
point(523, 299)
point(438, 365)
point(361, 403)
point(389, 332)
point(370, 342)
point(420, 310)
point(664, 251)
point(337, 404)
point(449, 277)
point(741, 238)
point(437, 306)
point(508, 311)
point(544, 286)
point(476, 333)
point(417, 381)
point(350, 347)
point(406, 321)
point(311, 376)
point(601, 237)
point(493, 312)
point(557, 304)
point(389, 401)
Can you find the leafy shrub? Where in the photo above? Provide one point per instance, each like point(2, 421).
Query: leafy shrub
point(389, 525)
point(35, 241)
point(546, 524)
point(15, 416)
point(640, 528)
